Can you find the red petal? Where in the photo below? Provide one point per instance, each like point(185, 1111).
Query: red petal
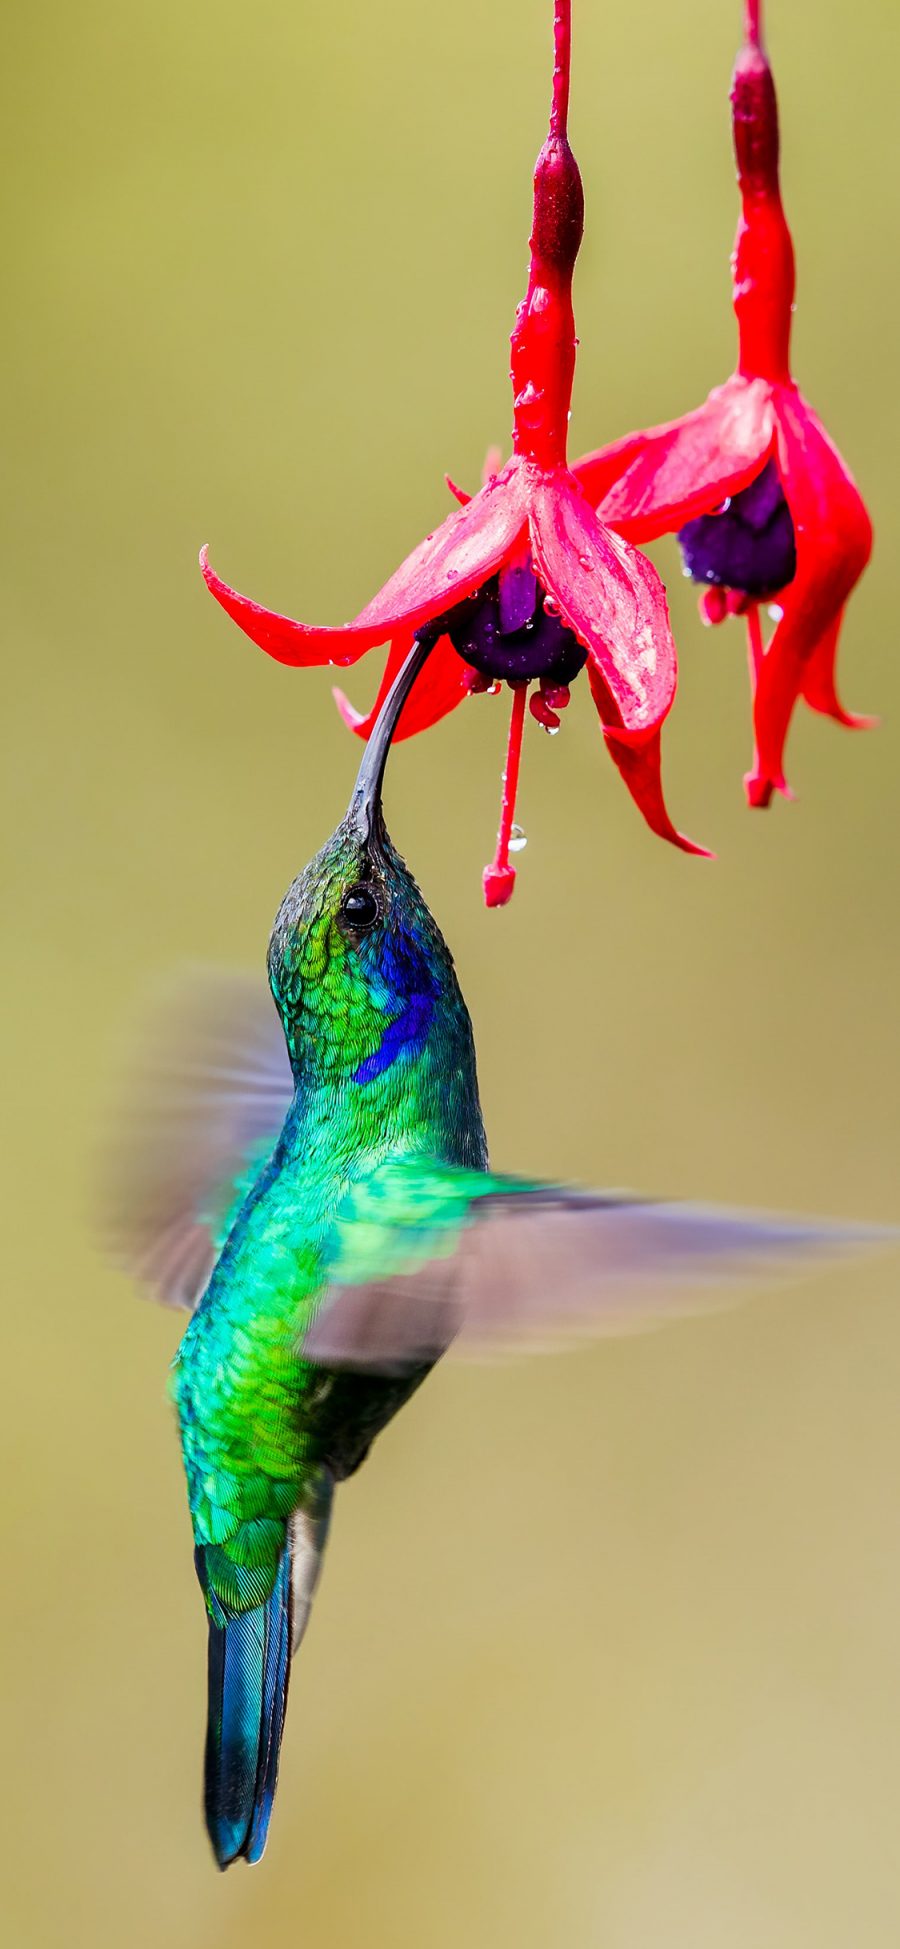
point(819, 690)
point(286, 641)
point(834, 541)
point(689, 465)
point(449, 564)
point(438, 690)
point(597, 472)
point(455, 560)
point(610, 596)
point(459, 493)
point(640, 765)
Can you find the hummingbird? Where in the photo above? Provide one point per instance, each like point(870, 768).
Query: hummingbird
point(312, 1183)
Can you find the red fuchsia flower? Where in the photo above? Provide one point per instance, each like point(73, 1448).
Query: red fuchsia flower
point(522, 583)
point(765, 509)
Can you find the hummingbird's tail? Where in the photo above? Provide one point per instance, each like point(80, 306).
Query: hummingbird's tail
point(249, 1664)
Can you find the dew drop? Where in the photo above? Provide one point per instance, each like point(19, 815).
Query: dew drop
point(553, 731)
point(517, 840)
point(775, 612)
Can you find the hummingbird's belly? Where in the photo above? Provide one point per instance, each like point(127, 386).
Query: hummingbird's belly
point(348, 1411)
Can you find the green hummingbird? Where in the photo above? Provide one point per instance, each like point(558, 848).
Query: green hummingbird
point(313, 1183)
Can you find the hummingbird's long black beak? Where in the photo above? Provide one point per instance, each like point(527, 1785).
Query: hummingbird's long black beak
point(364, 813)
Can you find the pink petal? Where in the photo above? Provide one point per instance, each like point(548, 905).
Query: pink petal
point(449, 564)
point(438, 690)
point(610, 596)
point(687, 466)
point(834, 541)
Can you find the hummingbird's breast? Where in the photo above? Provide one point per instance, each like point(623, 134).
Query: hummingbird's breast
point(257, 1420)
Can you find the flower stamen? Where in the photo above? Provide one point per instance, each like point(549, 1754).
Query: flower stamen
point(755, 650)
point(499, 878)
point(547, 704)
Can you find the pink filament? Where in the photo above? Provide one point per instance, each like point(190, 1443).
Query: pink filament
point(500, 877)
point(755, 651)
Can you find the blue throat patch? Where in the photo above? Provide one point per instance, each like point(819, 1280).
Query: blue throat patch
point(405, 969)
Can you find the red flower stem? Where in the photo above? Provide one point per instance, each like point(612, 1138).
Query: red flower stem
point(562, 61)
point(543, 339)
point(762, 266)
point(753, 22)
point(499, 877)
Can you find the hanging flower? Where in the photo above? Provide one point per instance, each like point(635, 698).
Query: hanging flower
point(765, 510)
point(522, 583)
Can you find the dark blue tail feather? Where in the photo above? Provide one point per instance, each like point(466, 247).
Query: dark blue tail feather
point(249, 1667)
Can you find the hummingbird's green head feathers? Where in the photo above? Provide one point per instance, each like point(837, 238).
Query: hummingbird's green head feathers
point(357, 966)
point(365, 984)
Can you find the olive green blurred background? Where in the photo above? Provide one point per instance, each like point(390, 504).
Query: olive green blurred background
point(608, 1648)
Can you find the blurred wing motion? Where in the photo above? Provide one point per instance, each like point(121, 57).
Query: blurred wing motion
point(425, 1255)
point(200, 1115)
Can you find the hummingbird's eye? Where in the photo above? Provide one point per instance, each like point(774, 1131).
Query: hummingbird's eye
point(360, 908)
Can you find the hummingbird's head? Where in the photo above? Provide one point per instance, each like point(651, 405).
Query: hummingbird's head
point(359, 970)
point(357, 965)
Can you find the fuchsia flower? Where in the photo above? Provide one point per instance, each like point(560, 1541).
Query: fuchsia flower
point(763, 503)
point(522, 583)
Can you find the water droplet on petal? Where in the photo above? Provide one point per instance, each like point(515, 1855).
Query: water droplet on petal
point(775, 611)
point(553, 731)
point(584, 561)
point(517, 840)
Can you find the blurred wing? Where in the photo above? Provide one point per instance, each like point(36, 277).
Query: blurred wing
point(529, 1268)
point(200, 1113)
